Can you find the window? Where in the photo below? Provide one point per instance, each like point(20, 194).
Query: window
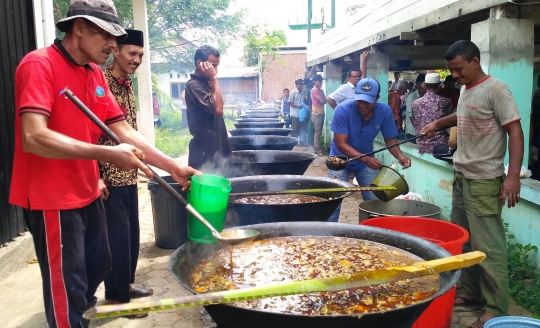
point(176, 89)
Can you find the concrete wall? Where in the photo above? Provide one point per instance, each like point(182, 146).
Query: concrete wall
point(282, 75)
point(433, 179)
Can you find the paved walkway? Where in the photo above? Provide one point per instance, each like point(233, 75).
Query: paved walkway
point(21, 304)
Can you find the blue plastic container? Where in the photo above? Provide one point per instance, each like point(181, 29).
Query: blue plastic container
point(512, 322)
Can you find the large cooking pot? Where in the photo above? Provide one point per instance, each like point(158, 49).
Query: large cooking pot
point(262, 143)
point(262, 110)
point(257, 120)
point(259, 125)
point(190, 254)
point(260, 131)
point(267, 162)
point(397, 207)
point(261, 115)
point(244, 214)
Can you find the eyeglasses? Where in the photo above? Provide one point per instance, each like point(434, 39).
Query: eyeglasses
point(355, 76)
point(96, 30)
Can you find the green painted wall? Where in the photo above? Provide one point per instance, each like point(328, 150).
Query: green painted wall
point(518, 76)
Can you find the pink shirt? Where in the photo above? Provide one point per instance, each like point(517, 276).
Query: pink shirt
point(317, 100)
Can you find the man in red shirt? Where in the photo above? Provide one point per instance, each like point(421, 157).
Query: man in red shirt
point(55, 171)
point(317, 116)
point(395, 103)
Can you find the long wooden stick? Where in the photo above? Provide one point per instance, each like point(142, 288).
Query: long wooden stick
point(308, 191)
point(362, 279)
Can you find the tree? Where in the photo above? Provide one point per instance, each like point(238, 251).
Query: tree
point(178, 27)
point(261, 41)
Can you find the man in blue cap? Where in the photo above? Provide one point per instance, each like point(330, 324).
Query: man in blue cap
point(355, 124)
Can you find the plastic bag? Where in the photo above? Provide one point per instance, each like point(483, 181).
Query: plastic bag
point(411, 196)
point(523, 173)
point(302, 112)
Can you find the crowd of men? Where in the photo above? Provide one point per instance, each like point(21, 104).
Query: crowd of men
point(83, 213)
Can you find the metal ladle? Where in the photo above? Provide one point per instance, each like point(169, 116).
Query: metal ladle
point(340, 162)
point(229, 237)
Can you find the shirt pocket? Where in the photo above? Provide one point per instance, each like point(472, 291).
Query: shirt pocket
point(485, 198)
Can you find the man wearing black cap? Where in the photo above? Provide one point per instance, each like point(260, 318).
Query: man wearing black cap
point(55, 175)
point(118, 187)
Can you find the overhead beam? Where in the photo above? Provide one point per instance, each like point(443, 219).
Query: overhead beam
point(449, 13)
point(412, 51)
point(438, 36)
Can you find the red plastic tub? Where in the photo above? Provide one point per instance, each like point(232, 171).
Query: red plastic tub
point(449, 236)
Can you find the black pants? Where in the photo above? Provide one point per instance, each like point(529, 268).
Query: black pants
point(122, 208)
point(74, 258)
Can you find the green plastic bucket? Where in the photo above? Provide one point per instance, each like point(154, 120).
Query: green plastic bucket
point(389, 177)
point(209, 195)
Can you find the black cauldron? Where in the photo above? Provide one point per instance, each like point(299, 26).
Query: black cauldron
point(260, 131)
point(244, 214)
point(262, 143)
point(260, 115)
point(274, 125)
point(256, 120)
point(190, 254)
point(266, 162)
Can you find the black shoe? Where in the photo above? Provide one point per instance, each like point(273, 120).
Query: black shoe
point(137, 292)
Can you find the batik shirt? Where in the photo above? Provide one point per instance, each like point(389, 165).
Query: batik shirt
point(122, 91)
point(425, 110)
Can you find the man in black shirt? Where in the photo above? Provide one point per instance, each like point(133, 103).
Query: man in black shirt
point(205, 112)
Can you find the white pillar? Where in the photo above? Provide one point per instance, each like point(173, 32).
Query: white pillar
point(44, 23)
point(145, 114)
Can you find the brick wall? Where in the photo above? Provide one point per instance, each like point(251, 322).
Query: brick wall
point(282, 75)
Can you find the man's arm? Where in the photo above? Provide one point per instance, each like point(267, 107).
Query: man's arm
point(511, 185)
point(346, 149)
point(331, 102)
point(39, 140)
point(363, 65)
point(442, 123)
point(403, 160)
point(152, 155)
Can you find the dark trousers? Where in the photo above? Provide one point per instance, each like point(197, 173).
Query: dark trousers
point(74, 258)
point(122, 208)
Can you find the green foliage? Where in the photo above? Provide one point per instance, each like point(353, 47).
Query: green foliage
point(171, 22)
point(261, 40)
point(524, 277)
point(443, 73)
point(172, 142)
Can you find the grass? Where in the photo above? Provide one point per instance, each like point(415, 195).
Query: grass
point(172, 139)
point(524, 277)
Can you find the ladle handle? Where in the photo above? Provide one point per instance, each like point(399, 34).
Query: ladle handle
point(117, 140)
point(156, 177)
point(385, 148)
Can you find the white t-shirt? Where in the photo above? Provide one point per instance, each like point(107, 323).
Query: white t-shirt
point(482, 112)
point(344, 92)
point(296, 98)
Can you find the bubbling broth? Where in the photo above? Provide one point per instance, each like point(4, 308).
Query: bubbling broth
point(278, 199)
point(288, 259)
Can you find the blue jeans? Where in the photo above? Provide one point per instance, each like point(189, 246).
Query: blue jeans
point(364, 177)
